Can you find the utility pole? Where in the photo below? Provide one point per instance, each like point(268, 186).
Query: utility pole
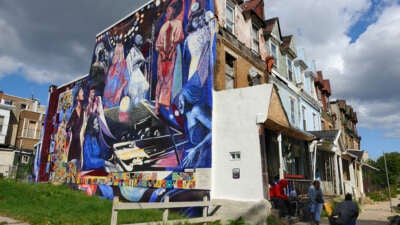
point(388, 184)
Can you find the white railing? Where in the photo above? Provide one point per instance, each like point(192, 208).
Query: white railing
point(166, 205)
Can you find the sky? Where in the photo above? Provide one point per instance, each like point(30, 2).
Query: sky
point(355, 43)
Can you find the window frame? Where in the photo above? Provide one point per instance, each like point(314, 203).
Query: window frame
point(233, 75)
point(235, 155)
point(255, 39)
point(230, 25)
point(289, 68)
point(292, 109)
point(2, 118)
point(274, 54)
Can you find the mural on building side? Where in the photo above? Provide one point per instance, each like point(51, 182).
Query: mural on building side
point(141, 119)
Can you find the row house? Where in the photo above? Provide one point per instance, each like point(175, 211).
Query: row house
point(353, 157)
point(244, 34)
point(21, 123)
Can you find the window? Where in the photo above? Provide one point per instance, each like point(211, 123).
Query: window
point(229, 71)
point(319, 94)
point(255, 39)
point(303, 113)
point(8, 102)
point(254, 78)
point(25, 159)
point(290, 69)
point(23, 106)
point(30, 130)
point(230, 17)
point(315, 121)
point(1, 123)
point(292, 110)
point(235, 156)
point(274, 54)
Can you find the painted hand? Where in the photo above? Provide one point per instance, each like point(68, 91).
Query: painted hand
point(190, 158)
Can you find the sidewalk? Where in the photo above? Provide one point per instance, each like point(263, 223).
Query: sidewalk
point(376, 213)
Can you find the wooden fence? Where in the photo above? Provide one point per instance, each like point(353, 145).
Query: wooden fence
point(166, 205)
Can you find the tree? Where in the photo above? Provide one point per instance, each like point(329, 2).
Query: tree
point(393, 167)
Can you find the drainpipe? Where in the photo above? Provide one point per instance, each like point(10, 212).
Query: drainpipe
point(315, 161)
point(279, 139)
point(264, 164)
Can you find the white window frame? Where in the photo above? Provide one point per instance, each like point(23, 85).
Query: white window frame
point(275, 56)
point(2, 123)
point(25, 132)
point(255, 39)
point(24, 159)
point(315, 120)
point(235, 155)
point(231, 6)
point(289, 68)
point(292, 109)
point(304, 113)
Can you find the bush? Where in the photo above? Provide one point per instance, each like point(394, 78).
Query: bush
point(382, 195)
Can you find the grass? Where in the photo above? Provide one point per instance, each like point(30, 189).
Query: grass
point(46, 204)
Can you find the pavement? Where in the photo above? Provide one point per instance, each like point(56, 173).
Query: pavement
point(376, 213)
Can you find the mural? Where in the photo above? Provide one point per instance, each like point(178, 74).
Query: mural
point(142, 117)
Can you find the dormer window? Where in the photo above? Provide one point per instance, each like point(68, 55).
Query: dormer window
point(230, 17)
point(255, 39)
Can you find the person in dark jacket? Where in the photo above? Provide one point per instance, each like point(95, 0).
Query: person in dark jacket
point(346, 212)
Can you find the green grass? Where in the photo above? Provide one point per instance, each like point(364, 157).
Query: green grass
point(47, 204)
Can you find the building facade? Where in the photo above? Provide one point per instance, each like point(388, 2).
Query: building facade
point(187, 98)
point(21, 121)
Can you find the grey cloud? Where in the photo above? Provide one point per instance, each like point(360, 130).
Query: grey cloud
point(57, 37)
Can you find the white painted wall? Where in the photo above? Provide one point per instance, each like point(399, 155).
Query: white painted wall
point(3, 131)
point(235, 128)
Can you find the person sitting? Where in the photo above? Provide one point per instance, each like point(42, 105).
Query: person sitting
point(279, 197)
point(346, 212)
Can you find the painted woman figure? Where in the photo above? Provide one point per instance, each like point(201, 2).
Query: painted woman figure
point(74, 126)
point(170, 35)
point(138, 85)
point(117, 78)
point(198, 125)
point(197, 43)
point(95, 147)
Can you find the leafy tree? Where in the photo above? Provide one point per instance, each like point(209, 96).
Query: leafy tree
point(393, 167)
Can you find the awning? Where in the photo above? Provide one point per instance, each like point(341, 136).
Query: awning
point(369, 166)
point(289, 131)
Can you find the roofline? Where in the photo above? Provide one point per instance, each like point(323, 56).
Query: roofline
point(75, 80)
point(119, 21)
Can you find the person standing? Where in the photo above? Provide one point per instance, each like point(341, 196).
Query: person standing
point(311, 194)
point(346, 211)
point(318, 202)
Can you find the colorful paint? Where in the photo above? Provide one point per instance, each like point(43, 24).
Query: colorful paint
point(142, 118)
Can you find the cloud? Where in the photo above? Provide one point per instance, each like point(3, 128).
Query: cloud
point(51, 41)
point(366, 72)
